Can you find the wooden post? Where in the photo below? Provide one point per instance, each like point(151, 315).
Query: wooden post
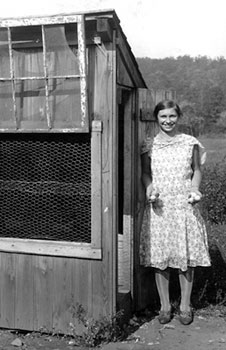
point(96, 183)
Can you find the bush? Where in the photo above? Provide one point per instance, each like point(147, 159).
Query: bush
point(213, 188)
point(210, 284)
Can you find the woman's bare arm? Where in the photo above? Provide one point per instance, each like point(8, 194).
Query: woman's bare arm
point(197, 174)
point(146, 174)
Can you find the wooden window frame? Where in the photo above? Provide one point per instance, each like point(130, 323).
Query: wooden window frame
point(42, 22)
point(91, 250)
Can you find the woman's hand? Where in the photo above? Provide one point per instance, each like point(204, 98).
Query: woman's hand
point(195, 196)
point(151, 193)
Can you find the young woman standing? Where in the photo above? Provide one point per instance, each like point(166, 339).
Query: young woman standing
point(173, 233)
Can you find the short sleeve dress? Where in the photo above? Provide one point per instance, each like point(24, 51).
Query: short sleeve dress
point(173, 232)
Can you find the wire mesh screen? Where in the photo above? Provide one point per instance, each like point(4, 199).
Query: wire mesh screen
point(45, 186)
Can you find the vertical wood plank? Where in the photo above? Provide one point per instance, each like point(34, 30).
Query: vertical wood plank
point(85, 278)
point(100, 293)
point(125, 254)
point(81, 292)
point(99, 277)
point(82, 69)
point(24, 299)
point(62, 296)
point(96, 184)
point(146, 105)
point(43, 292)
point(112, 87)
point(7, 289)
point(12, 75)
point(82, 285)
point(104, 272)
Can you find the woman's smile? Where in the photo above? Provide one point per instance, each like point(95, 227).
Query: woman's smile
point(167, 119)
point(168, 124)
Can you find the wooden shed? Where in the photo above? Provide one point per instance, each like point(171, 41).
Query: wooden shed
point(71, 103)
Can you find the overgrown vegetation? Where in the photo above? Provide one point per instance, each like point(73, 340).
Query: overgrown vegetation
point(210, 284)
point(94, 332)
point(209, 291)
point(214, 190)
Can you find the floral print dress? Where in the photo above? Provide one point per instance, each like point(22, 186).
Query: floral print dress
point(173, 232)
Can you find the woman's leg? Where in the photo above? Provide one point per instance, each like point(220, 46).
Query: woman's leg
point(186, 283)
point(162, 283)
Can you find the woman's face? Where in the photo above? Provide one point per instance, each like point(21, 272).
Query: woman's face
point(167, 120)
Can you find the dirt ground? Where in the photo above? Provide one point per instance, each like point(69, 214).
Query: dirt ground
point(205, 333)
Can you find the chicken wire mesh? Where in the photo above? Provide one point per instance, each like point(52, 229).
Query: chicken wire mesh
point(45, 187)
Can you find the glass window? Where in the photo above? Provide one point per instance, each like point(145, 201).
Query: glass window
point(61, 59)
point(42, 80)
point(27, 52)
point(7, 120)
point(4, 54)
point(31, 104)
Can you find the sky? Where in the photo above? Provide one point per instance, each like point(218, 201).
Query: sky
point(154, 28)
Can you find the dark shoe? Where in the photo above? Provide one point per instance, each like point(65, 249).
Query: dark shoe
point(186, 317)
point(164, 317)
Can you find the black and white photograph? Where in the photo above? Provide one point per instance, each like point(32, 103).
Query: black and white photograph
point(113, 175)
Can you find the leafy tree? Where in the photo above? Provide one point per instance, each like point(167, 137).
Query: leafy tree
point(199, 81)
point(190, 119)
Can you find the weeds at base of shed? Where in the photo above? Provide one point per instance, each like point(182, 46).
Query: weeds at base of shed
point(96, 332)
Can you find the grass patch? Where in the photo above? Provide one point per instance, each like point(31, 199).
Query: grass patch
point(215, 146)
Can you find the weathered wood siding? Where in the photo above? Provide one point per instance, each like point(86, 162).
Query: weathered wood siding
point(147, 127)
point(39, 291)
point(125, 239)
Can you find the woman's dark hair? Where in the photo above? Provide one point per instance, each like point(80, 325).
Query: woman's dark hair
point(167, 104)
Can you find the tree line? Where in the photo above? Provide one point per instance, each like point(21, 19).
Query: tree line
point(200, 85)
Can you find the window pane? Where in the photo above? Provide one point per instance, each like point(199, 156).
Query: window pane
point(37, 60)
point(4, 54)
point(27, 51)
point(30, 103)
point(7, 119)
point(65, 104)
point(61, 58)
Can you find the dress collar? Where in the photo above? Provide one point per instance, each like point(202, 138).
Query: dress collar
point(161, 139)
